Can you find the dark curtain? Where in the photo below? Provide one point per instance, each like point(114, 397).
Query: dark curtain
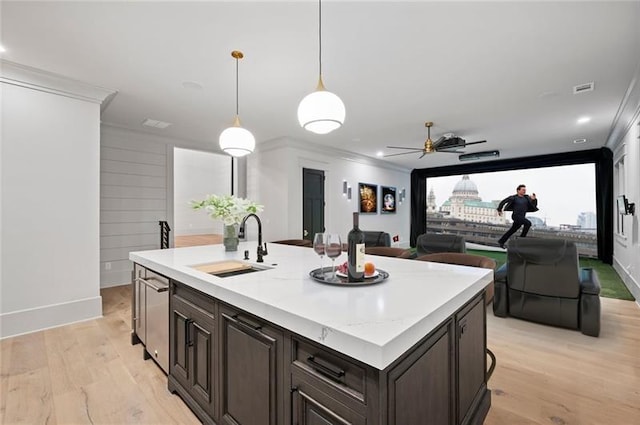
point(418, 206)
point(602, 158)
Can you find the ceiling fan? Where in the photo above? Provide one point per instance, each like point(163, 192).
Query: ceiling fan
point(447, 143)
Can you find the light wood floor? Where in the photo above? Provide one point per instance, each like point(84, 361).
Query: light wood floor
point(89, 373)
point(196, 240)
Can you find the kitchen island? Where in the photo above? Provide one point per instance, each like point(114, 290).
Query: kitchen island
point(277, 347)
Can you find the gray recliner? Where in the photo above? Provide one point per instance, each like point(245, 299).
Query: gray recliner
point(542, 282)
point(431, 243)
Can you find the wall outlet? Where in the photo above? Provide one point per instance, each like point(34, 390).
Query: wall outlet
point(107, 266)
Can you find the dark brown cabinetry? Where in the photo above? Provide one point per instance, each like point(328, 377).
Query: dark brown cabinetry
point(251, 370)
point(192, 359)
point(234, 368)
point(420, 388)
point(471, 361)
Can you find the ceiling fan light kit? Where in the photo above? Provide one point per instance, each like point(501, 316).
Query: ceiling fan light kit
point(321, 112)
point(448, 143)
point(235, 140)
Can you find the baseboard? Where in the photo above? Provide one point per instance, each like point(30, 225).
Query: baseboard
point(50, 316)
point(632, 285)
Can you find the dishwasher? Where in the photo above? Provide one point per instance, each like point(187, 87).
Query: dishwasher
point(151, 314)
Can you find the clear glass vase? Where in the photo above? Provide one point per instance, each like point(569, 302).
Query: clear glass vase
point(230, 237)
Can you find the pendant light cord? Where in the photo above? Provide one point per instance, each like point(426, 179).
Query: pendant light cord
point(237, 102)
point(320, 37)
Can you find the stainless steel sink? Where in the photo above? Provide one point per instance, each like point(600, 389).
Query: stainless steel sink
point(229, 268)
point(236, 272)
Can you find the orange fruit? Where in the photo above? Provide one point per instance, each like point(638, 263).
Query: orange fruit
point(369, 269)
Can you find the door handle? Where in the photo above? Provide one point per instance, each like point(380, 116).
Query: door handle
point(152, 286)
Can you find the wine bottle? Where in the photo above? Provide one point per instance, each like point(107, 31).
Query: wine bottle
point(355, 252)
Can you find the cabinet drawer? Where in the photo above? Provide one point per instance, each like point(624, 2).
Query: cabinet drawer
point(335, 370)
point(194, 298)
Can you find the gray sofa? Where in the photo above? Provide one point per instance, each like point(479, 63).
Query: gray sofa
point(542, 282)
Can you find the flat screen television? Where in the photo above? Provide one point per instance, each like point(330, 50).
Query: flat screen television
point(624, 207)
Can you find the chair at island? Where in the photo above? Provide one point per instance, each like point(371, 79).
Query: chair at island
point(388, 251)
point(431, 243)
point(464, 260)
point(373, 238)
point(543, 282)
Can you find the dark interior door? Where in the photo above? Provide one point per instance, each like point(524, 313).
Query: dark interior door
point(312, 202)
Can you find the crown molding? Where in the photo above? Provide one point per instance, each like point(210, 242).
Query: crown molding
point(286, 142)
point(49, 82)
point(628, 112)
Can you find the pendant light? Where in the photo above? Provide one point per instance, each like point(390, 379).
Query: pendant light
point(321, 112)
point(235, 140)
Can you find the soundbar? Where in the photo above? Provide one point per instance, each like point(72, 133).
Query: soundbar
point(478, 155)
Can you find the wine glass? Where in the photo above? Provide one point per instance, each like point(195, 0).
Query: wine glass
point(333, 249)
point(318, 247)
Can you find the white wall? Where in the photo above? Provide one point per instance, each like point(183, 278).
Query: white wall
point(626, 250)
point(50, 202)
point(196, 175)
point(274, 178)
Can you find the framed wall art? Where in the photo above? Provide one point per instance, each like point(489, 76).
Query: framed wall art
point(389, 199)
point(368, 197)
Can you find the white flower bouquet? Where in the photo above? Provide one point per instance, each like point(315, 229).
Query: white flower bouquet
point(228, 208)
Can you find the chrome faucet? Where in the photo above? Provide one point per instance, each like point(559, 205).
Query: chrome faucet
point(261, 251)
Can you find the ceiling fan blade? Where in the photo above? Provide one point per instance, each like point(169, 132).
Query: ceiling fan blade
point(448, 151)
point(396, 154)
point(404, 147)
point(475, 143)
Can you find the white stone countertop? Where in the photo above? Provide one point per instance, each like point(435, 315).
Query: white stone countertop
point(374, 324)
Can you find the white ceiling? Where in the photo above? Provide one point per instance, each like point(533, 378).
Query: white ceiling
point(500, 71)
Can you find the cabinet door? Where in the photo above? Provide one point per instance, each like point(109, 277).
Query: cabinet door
point(179, 350)
point(313, 407)
point(250, 371)
point(472, 344)
point(421, 388)
point(201, 341)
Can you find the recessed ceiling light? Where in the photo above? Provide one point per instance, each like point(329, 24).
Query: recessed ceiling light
point(2, 49)
point(192, 85)
point(546, 94)
point(580, 141)
point(583, 120)
point(380, 153)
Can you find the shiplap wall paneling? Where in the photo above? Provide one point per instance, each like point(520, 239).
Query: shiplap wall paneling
point(133, 198)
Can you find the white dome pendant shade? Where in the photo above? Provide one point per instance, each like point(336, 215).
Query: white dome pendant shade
point(321, 112)
point(235, 140)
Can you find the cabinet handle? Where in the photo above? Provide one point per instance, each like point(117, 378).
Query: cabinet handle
point(322, 407)
point(188, 323)
point(463, 327)
point(336, 374)
point(246, 323)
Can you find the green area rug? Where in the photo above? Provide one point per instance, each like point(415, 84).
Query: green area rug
point(612, 286)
